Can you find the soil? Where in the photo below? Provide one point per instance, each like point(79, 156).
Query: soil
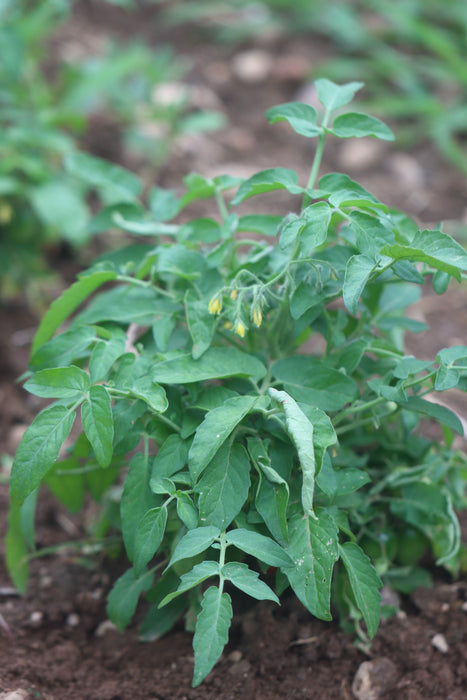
point(55, 642)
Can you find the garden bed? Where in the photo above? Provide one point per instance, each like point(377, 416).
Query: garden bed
point(55, 642)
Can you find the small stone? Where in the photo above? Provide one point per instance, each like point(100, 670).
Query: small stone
point(374, 678)
point(464, 606)
point(73, 620)
point(35, 618)
point(240, 669)
point(439, 642)
point(360, 154)
point(235, 656)
point(19, 694)
point(252, 66)
point(104, 627)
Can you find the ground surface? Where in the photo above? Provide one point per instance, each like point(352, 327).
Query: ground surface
point(53, 643)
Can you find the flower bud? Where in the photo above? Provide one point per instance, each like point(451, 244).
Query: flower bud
point(239, 329)
point(215, 305)
point(257, 316)
point(233, 294)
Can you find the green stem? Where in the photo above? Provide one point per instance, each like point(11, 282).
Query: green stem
point(223, 549)
point(317, 159)
point(221, 204)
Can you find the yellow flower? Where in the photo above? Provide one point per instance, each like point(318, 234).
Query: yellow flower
point(215, 305)
point(233, 294)
point(240, 329)
point(257, 316)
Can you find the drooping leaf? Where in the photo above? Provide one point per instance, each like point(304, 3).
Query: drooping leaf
point(215, 429)
point(272, 494)
point(224, 485)
point(96, 415)
point(16, 550)
point(248, 581)
point(365, 584)
point(123, 598)
point(148, 537)
point(313, 547)
point(433, 410)
point(39, 449)
point(215, 363)
point(137, 499)
point(357, 274)
point(211, 632)
point(301, 431)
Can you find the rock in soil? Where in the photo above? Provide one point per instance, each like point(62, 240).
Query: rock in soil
point(374, 678)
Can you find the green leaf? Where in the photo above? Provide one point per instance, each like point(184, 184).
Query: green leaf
point(441, 281)
point(16, 550)
point(315, 230)
point(61, 207)
point(215, 429)
point(71, 298)
point(201, 323)
point(194, 542)
point(39, 449)
point(310, 380)
point(313, 547)
point(301, 431)
point(301, 117)
point(198, 574)
point(333, 96)
point(104, 354)
point(67, 488)
point(446, 378)
point(248, 581)
point(171, 458)
point(224, 486)
point(123, 598)
point(148, 537)
point(365, 584)
point(211, 632)
point(433, 410)
point(151, 393)
point(259, 546)
point(127, 304)
point(357, 125)
point(214, 364)
point(96, 415)
point(272, 494)
point(267, 224)
point(346, 192)
point(448, 356)
point(137, 499)
point(268, 181)
point(61, 383)
point(434, 248)
point(186, 510)
point(357, 274)
point(97, 172)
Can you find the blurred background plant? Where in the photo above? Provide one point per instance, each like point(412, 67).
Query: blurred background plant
point(409, 53)
point(50, 101)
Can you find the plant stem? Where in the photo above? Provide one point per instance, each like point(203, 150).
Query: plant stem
point(316, 160)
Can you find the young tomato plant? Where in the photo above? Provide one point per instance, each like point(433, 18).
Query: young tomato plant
point(250, 454)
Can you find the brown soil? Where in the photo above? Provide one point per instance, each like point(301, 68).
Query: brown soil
point(53, 644)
